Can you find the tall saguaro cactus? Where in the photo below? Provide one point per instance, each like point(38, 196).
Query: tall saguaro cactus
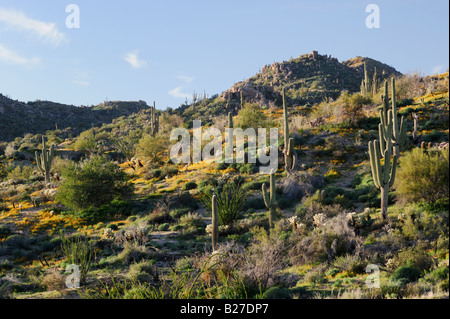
point(390, 116)
point(154, 121)
point(289, 154)
point(270, 199)
point(44, 160)
point(215, 222)
point(383, 174)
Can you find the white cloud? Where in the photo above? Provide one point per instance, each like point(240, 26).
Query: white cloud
point(176, 92)
point(43, 30)
point(185, 78)
point(133, 59)
point(9, 57)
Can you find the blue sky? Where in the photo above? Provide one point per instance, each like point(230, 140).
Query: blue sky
point(166, 50)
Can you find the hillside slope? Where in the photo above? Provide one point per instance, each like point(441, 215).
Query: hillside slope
point(41, 116)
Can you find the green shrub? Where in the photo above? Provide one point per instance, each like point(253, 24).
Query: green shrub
point(405, 274)
point(423, 176)
point(351, 264)
point(248, 169)
point(78, 251)
point(163, 227)
point(436, 275)
point(93, 183)
point(153, 148)
point(255, 203)
point(189, 186)
point(251, 116)
point(21, 173)
point(277, 293)
point(231, 199)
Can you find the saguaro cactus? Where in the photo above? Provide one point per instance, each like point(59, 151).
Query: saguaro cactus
point(270, 199)
point(44, 160)
point(323, 196)
point(416, 122)
point(383, 174)
point(154, 121)
point(391, 117)
point(289, 154)
point(230, 138)
point(374, 83)
point(215, 222)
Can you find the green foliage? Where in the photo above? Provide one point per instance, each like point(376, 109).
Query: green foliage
point(277, 293)
point(153, 148)
point(189, 186)
point(231, 199)
point(405, 274)
point(93, 183)
point(423, 176)
point(353, 106)
point(77, 251)
point(86, 141)
point(251, 116)
point(21, 172)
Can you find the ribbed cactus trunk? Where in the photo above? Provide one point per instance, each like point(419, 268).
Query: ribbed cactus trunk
point(383, 174)
point(416, 122)
point(289, 153)
point(367, 89)
point(154, 121)
point(375, 83)
point(384, 200)
point(215, 223)
point(44, 160)
point(270, 199)
point(229, 147)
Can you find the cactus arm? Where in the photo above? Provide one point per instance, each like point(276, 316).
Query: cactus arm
point(215, 222)
point(393, 171)
point(372, 155)
point(38, 162)
point(266, 196)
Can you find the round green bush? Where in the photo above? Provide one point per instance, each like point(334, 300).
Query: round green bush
point(406, 274)
point(277, 293)
point(189, 185)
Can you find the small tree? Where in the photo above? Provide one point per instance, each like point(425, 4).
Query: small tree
point(423, 176)
point(153, 148)
point(353, 106)
point(93, 183)
point(252, 116)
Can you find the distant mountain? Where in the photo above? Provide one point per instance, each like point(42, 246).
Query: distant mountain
point(18, 118)
point(308, 79)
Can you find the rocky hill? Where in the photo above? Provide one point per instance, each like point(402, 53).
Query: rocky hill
point(18, 118)
point(308, 79)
